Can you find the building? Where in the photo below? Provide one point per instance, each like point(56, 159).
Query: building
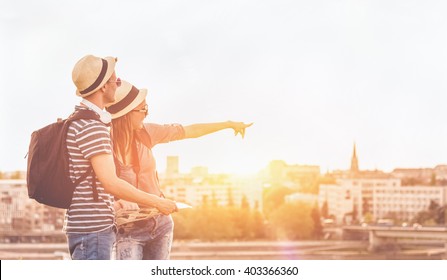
point(358, 195)
point(172, 166)
point(351, 199)
point(218, 192)
point(404, 203)
point(310, 199)
point(300, 178)
point(416, 176)
point(354, 162)
point(20, 214)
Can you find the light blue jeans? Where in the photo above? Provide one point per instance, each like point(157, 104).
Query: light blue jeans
point(145, 240)
point(92, 246)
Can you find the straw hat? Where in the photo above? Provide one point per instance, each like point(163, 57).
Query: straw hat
point(127, 98)
point(91, 73)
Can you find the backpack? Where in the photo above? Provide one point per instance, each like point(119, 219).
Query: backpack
point(48, 178)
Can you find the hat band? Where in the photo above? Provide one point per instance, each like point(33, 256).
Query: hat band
point(123, 103)
point(98, 80)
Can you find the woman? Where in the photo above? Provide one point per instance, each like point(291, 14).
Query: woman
point(132, 143)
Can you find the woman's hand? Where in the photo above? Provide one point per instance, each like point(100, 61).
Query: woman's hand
point(166, 206)
point(239, 127)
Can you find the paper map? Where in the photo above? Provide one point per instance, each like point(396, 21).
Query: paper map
point(130, 216)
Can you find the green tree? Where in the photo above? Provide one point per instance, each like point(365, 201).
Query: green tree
point(429, 216)
point(318, 228)
point(244, 203)
point(205, 201)
point(257, 225)
point(239, 222)
point(214, 201)
point(354, 213)
point(293, 221)
point(16, 175)
point(365, 206)
point(325, 210)
point(433, 179)
point(273, 198)
point(230, 197)
point(183, 228)
point(368, 217)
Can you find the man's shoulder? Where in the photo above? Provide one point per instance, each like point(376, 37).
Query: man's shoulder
point(87, 125)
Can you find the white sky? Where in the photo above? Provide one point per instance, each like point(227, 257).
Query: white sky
point(314, 76)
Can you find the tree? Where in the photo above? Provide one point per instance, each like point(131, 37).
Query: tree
point(354, 213)
point(257, 226)
point(183, 228)
point(244, 203)
point(365, 206)
point(230, 197)
point(214, 201)
point(16, 175)
point(239, 221)
point(433, 215)
point(273, 198)
point(368, 217)
point(441, 214)
point(325, 210)
point(433, 206)
point(433, 180)
point(318, 228)
point(204, 201)
point(293, 221)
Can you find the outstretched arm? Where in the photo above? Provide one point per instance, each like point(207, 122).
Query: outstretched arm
point(200, 129)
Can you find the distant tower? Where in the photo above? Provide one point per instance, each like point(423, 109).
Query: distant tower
point(172, 166)
point(354, 162)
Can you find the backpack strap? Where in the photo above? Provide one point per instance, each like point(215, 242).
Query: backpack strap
point(88, 115)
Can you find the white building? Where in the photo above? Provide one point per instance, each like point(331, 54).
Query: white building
point(310, 199)
point(379, 197)
point(406, 202)
point(19, 213)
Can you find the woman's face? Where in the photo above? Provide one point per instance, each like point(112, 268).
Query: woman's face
point(138, 115)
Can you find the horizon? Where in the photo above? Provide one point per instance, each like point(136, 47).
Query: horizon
point(212, 171)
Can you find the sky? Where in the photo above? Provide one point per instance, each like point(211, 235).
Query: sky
point(315, 77)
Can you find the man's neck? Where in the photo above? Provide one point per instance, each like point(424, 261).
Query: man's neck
point(104, 116)
point(92, 105)
point(96, 100)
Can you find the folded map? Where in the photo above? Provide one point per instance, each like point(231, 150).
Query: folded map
point(130, 216)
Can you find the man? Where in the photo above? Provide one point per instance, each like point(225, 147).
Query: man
point(89, 221)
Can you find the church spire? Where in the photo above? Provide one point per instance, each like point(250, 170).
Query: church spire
point(354, 162)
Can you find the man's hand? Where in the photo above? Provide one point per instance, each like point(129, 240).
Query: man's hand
point(125, 205)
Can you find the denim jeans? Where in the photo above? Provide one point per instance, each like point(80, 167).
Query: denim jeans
point(150, 239)
point(92, 246)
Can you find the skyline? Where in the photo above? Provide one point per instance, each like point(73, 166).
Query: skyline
point(315, 77)
point(164, 169)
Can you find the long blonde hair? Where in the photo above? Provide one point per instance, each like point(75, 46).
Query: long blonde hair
point(122, 136)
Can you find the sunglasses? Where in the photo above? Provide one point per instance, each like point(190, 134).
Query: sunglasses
point(117, 81)
point(142, 110)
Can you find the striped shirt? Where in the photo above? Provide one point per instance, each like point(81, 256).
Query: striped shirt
point(85, 140)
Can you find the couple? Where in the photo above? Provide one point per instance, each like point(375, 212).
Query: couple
point(125, 175)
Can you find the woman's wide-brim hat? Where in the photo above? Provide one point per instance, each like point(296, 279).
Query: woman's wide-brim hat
point(127, 98)
point(91, 73)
